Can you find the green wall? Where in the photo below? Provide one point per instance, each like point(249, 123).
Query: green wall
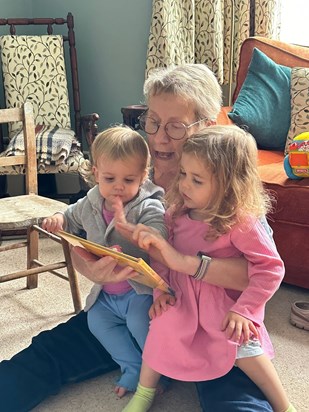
point(15, 8)
point(111, 42)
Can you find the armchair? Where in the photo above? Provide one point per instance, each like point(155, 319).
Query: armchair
point(34, 69)
point(289, 219)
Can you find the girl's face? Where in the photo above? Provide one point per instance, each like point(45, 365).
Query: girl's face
point(118, 179)
point(196, 184)
point(164, 108)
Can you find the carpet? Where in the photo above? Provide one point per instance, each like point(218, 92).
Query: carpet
point(27, 312)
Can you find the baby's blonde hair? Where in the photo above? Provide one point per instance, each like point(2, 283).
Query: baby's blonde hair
point(118, 143)
point(230, 154)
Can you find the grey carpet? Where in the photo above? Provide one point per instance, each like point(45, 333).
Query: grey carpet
point(26, 312)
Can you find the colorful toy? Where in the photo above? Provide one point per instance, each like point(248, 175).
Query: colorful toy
point(296, 162)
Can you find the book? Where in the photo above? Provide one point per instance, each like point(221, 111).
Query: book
point(146, 275)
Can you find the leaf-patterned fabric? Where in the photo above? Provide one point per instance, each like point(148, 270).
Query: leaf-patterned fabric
point(33, 69)
point(299, 104)
point(199, 31)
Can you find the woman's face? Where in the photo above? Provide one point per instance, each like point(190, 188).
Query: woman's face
point(164, 108)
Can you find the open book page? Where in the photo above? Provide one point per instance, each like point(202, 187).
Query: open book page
point(146, 275)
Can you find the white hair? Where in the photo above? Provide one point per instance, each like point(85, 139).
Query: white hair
point(196, 83)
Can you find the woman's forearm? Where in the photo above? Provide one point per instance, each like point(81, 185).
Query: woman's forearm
point(229, 273)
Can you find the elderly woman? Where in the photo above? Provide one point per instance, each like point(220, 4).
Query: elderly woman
point(180, 101)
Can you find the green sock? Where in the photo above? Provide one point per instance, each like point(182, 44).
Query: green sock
point(142, 400)
point(291, 408)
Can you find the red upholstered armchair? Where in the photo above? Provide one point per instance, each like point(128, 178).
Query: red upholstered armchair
point(290, 220)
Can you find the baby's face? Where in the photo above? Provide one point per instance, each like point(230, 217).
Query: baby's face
point(118, 179)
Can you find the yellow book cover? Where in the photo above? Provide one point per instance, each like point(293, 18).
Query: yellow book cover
point(146, 275)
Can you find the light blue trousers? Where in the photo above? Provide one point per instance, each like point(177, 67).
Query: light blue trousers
point(121, 323)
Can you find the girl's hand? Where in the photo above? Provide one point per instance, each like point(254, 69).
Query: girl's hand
point(150, 239)
point(161, 305)
point(147, 236)
point(239, 328)
point(53, 223)
point(128, 230)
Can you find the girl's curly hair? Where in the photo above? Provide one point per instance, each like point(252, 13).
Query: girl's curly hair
point(230, 154)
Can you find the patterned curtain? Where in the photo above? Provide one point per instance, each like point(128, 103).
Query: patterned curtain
point(200, 31)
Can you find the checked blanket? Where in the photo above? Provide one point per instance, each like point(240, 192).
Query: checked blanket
point(53, 144)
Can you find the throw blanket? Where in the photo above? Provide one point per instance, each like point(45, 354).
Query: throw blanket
point(53, 144)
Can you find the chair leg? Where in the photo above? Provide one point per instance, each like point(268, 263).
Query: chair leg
point(32, 254)
point(73, 278)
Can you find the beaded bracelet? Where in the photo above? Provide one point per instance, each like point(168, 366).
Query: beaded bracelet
point(203, 267)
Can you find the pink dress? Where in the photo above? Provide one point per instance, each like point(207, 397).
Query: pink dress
point(186, 341)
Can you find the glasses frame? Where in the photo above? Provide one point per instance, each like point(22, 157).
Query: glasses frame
point(186, 127)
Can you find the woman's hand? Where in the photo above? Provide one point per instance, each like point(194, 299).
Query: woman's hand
point(53, 223)
point(99, 270)
point(161, 304)
point(239, 328)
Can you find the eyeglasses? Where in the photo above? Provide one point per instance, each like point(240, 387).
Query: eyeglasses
point(174, 130)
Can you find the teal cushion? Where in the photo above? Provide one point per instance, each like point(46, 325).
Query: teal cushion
point(263, 104)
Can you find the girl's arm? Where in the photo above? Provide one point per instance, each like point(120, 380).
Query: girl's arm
point(230, 273)
point(265, 271)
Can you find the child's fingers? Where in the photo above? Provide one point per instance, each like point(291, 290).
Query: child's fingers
point(230, 328)
point(152, 312)
point(51, 225)
point(172, 301)
point(145, 239)
point(254, 330)
point(238, 331)
point(157, 307)
point(119, 215)
point(246, 333)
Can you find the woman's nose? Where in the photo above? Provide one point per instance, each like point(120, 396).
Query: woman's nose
point(161, 135)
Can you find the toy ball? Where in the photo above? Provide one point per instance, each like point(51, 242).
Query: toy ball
point(296, 162)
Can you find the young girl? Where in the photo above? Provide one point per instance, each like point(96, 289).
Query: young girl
point(118, 312)
point(214, 210)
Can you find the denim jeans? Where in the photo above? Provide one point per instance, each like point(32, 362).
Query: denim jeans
point(233, 392)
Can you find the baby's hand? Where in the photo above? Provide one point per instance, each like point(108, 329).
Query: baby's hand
point(237, 327)
point(53, 223)
point(119, 215)
point(161, 305)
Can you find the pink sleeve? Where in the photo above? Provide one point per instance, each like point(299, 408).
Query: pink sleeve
point(265, 270)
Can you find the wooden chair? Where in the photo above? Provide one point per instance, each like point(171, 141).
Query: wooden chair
point(27, 211)
point(42, 68)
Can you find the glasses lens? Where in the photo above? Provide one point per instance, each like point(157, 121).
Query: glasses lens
point(175, 130)
point(148, 124)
